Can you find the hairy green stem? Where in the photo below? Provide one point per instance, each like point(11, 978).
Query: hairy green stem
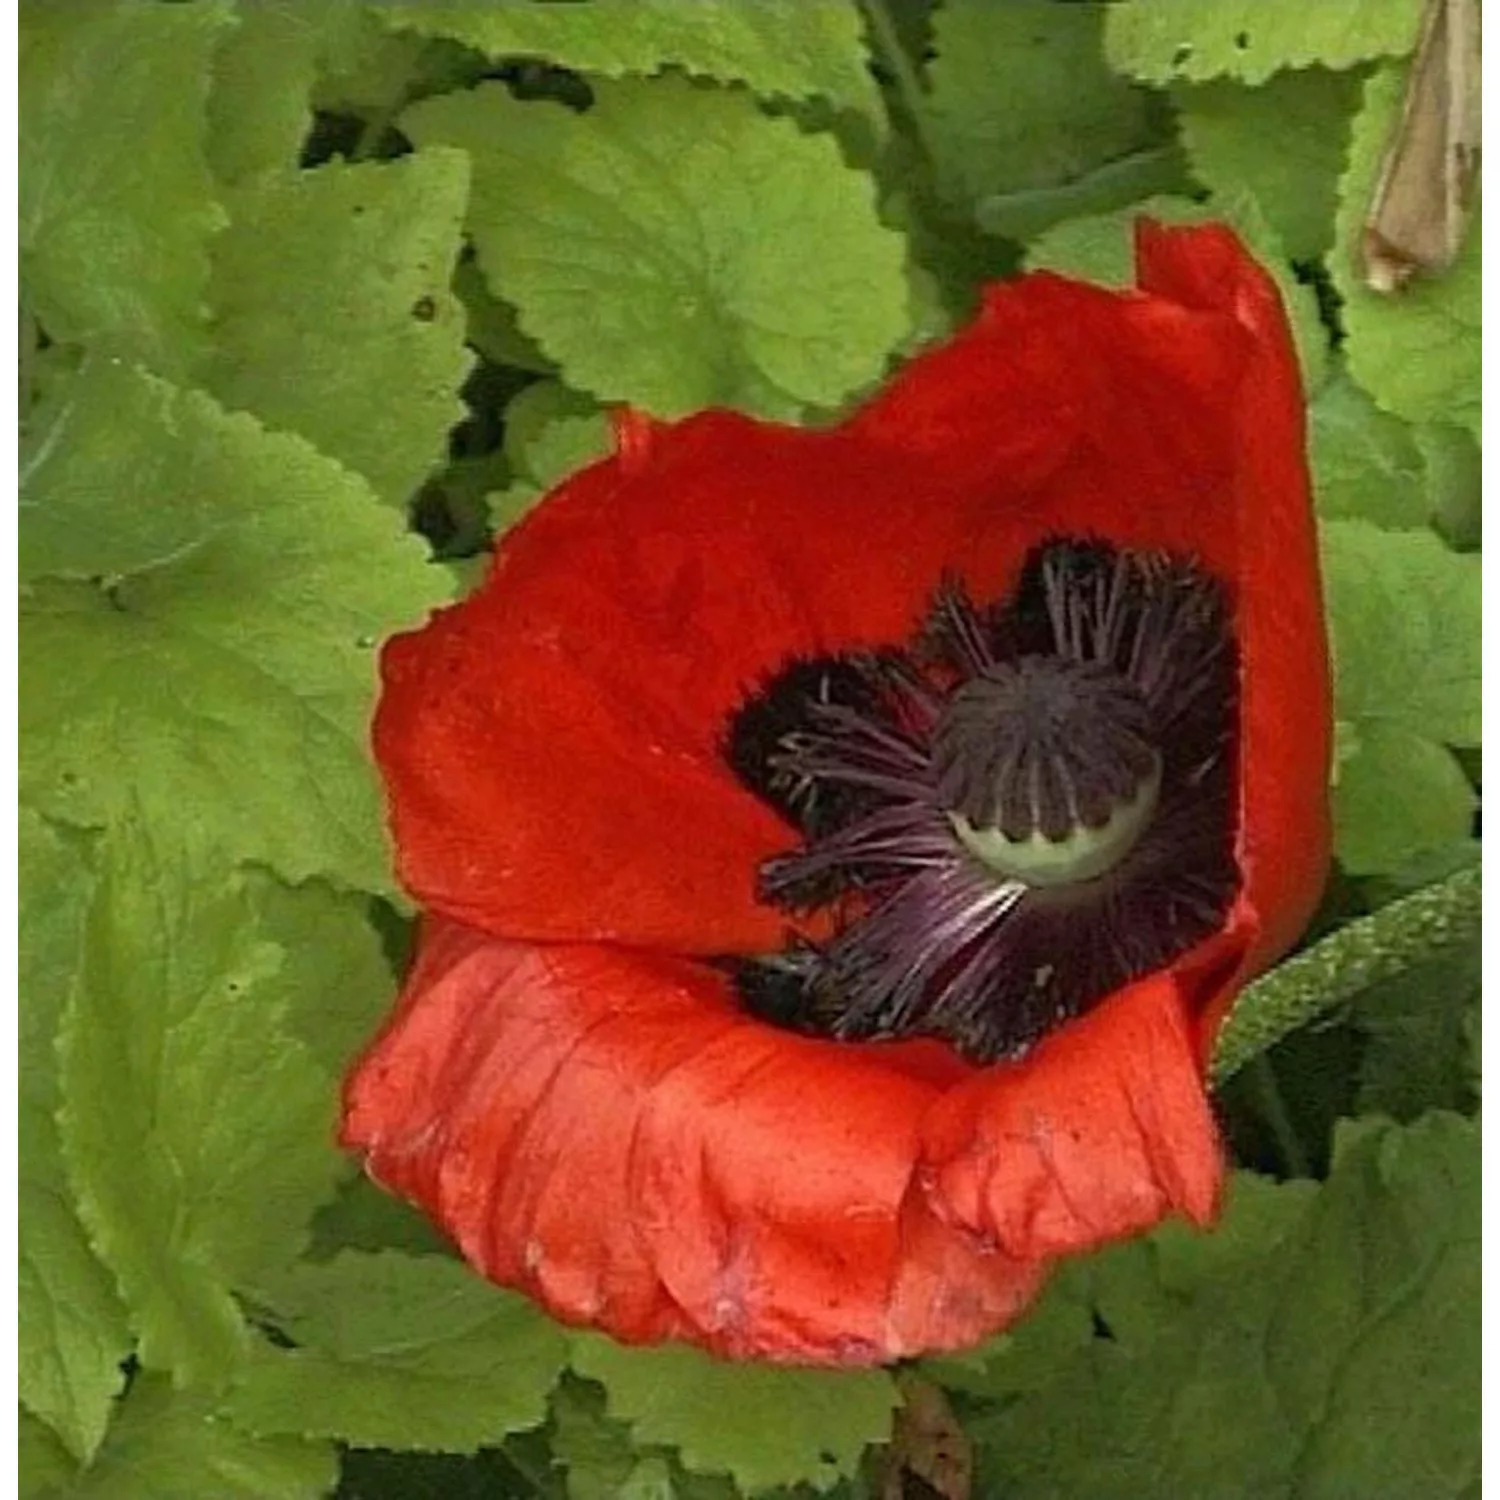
point(1410, 932)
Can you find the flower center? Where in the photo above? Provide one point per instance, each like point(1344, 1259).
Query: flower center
point(1028, 807)
point(1047, 768)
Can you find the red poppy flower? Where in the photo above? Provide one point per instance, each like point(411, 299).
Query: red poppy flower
point(840, 847)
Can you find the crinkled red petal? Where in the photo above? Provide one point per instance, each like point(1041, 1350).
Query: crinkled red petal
point(1101, 1132)
point(602, 1129)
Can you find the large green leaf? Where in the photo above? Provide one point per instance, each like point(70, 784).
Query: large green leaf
point(116, 200)
point(197, 1133)
point(73, 1335)
point(1283, 141)
point(221, 671)
point(1367, 465)
point(761, 1424)
point(785, 47)
point(1022, 99)
point(676, 248)
point(1161, 41)
point(1169, 1396)
point(173, 1445)
point(332, 313)
point(1404, 616)
point(399, 1351)
point(1320, 1342)
point(1374, 1346)
point(260, 108)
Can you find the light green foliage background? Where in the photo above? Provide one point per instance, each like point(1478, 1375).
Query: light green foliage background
point(320, 295)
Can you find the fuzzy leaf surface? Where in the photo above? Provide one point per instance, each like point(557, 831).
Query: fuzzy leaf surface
point(73, 1334)
point(650, 245)
point(399, 1351)
point(1367, 465)
point(197, 1134)
point(1022, 98)
point(167, 1444)
point(1164, 41)
point(260, 107)
point(115, 223)
point(1404, 615)
point(1268, 1359)
point(275, 571)
point(333, 315)
point(777, 47)
point(1283, 141)
point(763, 1425)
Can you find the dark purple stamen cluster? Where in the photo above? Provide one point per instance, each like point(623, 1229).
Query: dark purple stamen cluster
point(1037, 717)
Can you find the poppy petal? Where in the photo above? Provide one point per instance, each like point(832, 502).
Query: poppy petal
point(1286, 718)
point(1099, 1133)
point(605, 1131)
point(552, 747)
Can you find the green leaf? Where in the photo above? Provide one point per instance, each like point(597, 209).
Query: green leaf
point(197, 1135)
point(761, 1424)
point(333, 315)
point(492, 326)
point(371, 71)
point(362, 1216)
point(777, 47)
point(676, 248)
point(45, 1466)
point(1405, 615)
point(1398, 794)
point(73, 1336)
point(551, 431)
point(399, 1351)
point(1454, 481)
point(1416, 351)
point(1283, 142)
point(259, 111)
point(172, 1445)
point(1367, 465)
point(116, 206)
point(1417, 1029)
point(1162, 41)
point(1375, 1344)
point(56, 881)
point(1022, 99)
point(340, 982)
point(596, 1450)
point(1174, 1401)
point(1319, 1342)
point(1101, 248)
point(229, 684)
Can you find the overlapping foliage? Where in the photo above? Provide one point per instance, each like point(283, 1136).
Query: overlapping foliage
point(318, 295)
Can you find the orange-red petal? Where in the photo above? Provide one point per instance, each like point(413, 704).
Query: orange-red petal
point(605, 1131)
